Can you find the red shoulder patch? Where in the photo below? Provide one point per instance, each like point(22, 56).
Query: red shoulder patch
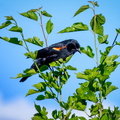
point(59, 48)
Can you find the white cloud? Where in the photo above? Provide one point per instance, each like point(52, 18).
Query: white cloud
point(17, 109)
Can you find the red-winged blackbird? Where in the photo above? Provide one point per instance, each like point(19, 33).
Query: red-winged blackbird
point(54, 53)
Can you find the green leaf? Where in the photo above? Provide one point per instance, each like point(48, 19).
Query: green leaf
point(35, 40)
point(103, 39)
point(94, 109)
point(15, 29)
point(12, 40)
point(79, 106)
point(96, 24)
point(32, 55)
point(48, 95)
point(53, 64)
point(37, 107)
point(32, 91)
point(30, 14)
point(9, 18)
point(45, 13)
point(81, 9)
point(43, 68)
point(37, 118)
point(49, 26)
point(69, 67)
point(104, 117)
point(118, 31)
point(105, 53)
point(87, 51)
point(27, 72)
point(54, 114)
point(94, 3)
point(40, 97)
point(5, 24)
point(40, 86)
point(88, 74)
point(108, 88)
point(91, 96)
point(79, 26)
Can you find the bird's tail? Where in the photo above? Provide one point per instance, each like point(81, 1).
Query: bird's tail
point(23, 79)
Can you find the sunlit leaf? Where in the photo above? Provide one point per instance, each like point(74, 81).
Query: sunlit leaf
point(32, 91)
point(87, 51)
point(88, 74)
point(81, 9)
point(35, 40)
point(49, 26)
point(30, 14)
point(12, 40)
point(105, 117)
point(9, 18)
point(40, 86)
point(96, 24)
point(5, 24)
point(27, 72)
point(32, 55)
point(94, 3)
point(15, 29)
point(103, 39)
point(69, 67)
point(79, 26)
point(45, 13)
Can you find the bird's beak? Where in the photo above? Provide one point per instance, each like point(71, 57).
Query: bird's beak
point(79, 51)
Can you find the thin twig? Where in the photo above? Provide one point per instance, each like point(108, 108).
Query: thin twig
point(41, 24)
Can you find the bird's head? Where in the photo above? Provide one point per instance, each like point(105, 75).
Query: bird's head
point(73, 46)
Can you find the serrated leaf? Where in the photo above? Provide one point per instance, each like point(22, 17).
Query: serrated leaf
point(81, 9)
point(15, 29)
point(30, 14)
point(32, 91)
point(12, 40)
point(96, 24)
point(35, 40)
point(5, 24)
point(49, 26)
point(79, 26)
point(45, 13)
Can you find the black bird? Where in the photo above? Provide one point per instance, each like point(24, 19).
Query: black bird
point(54, 53)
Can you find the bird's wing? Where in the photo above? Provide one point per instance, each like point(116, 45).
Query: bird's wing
point(50, 51)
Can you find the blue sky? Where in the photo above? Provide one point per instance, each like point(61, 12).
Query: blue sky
point(12, 93)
